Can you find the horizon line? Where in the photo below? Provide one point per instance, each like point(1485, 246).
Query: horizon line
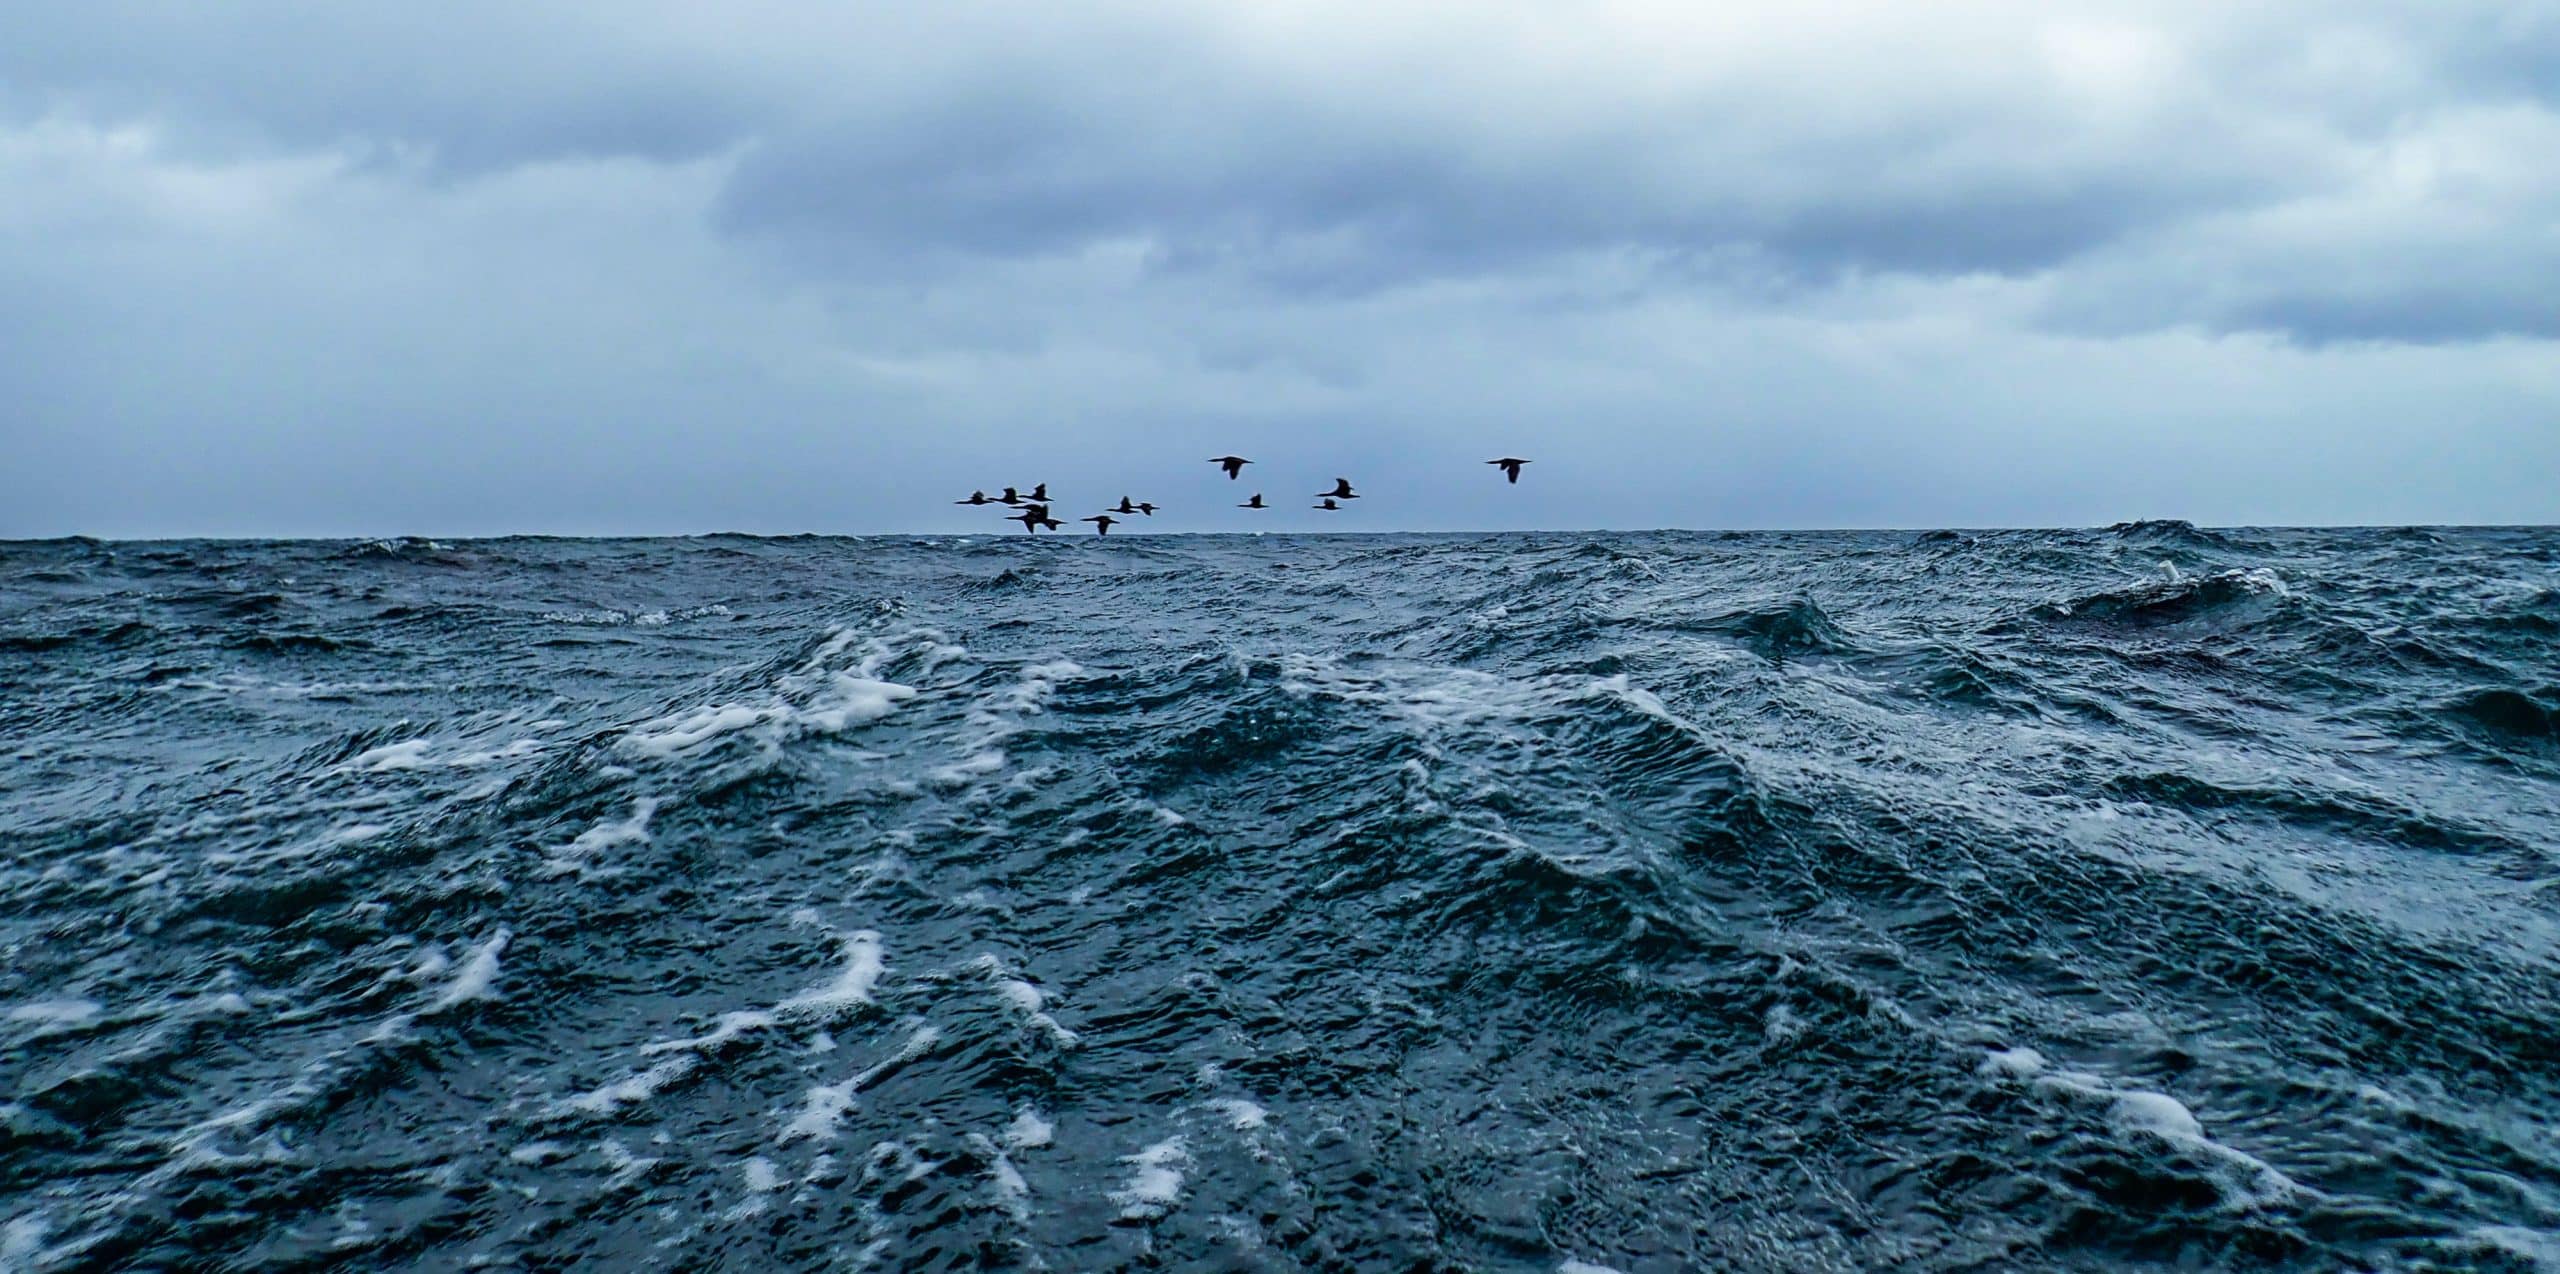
point(1241, 534)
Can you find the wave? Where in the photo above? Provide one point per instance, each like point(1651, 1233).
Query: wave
point(2169, 531)
point(2511, 714)
point(1800, 627)
point(1094, 904)
point(2230, 596)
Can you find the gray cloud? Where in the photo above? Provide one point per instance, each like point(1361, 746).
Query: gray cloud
point(642, 266)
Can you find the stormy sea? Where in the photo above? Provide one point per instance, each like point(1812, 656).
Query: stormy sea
point(2142, 897)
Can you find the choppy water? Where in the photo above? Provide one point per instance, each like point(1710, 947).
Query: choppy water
point(1539, 902)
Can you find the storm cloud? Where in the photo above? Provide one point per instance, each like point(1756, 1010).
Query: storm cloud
point(280, 268)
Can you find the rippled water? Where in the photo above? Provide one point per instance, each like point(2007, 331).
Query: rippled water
point(1543, 902)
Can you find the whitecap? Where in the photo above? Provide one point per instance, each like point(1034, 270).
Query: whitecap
point(478, 975)
point(2540, 1248)
point(625, 1166)
point(515, 751)
point(825, 1104)
point(409, 755)
point(1029, 1130)
point(68, 1011)
point(2248, 1182)
point(633, 1088)
point(1242, 1115)
point(821, 1111)
point(851, 989)
point(22, 1241)
point(607, 834)
point(1155, 1184)
point(815, 699)
point(2013, 1061)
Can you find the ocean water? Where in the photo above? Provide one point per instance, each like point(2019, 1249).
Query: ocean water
point(2137, 897)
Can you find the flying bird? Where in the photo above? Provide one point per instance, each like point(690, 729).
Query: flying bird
point(1233, 465)
point(1040, 492)
point(1329, 506)
point(1254, 503)
point(975, 497)
point(1146, 508)
point(1125, 506)
point(1341, 490)
point(1510, 468)
point(1010, 496)
point(1032, 518)
point(1102, 523)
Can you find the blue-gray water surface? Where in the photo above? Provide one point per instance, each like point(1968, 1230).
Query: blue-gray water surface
point(2138, 897)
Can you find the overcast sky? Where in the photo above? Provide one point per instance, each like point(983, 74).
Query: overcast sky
point(647, 266)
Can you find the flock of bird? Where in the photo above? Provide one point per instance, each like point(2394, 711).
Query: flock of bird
point(1033, 506)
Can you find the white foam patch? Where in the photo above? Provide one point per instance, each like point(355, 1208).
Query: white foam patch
point(67, 1011)
point(2019, 1062)
point(538, 1152)
point(2253, 1182)
point(409, 755)
point(825, 1106)
point(1241, 1115)
point(2157, 1113)
point(2539, 1248)
point(1155, 1180)
point(1781, 1025)
point(478, 977)
point(1027, 1000)
point(815, 699)
point(820, 1113)
point(1029, 1131)
point(1039, 683)
point(1571, 1266)
point(851, 989)
point(634, 1088)
point(515, 751)
point(22, 1242)
point(730, 1026)
point(605, 835)
point(1013, 1194)
point(978, 765)
point(762, 1178)
point(625, 1166)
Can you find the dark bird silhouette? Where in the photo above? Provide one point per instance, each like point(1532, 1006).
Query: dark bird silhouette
point(1125, 506)
point(1040, 492)
point(1146, 508)
point(1341, 490)
point(975, 497)
point(1233, 465)
point(1032, 519)
point(1510, 468)
point(1254, 503)
point(1102, 523)
point(1010, 496)
point(1329, 506)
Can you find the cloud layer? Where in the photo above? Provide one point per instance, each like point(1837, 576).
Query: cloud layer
point(356, 269)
